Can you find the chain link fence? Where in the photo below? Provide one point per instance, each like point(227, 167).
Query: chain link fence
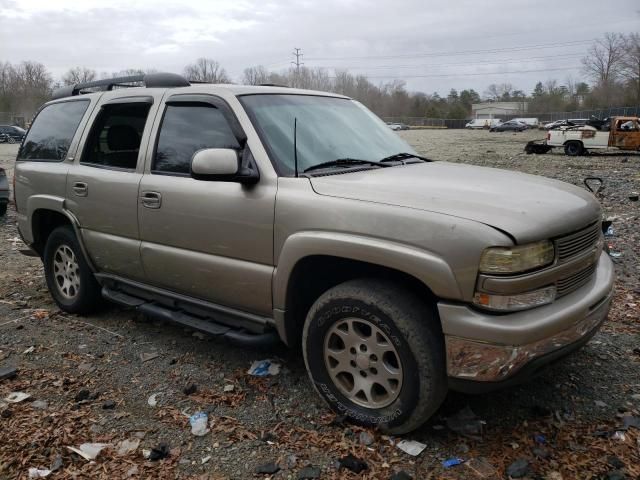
point(12, 118)
point(601, 113)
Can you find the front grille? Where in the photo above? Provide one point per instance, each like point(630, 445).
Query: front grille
point(577, 242)
point(569, 284)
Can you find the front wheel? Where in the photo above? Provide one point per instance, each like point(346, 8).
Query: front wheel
point(375, 353)
point(69, 278)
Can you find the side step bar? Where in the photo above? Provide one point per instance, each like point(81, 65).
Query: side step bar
point(160, 312)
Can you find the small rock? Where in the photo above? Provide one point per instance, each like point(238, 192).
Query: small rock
point(159, 452)
point(267, 468)
point(82, 395)
point(629, 421)
point(145, 357)
point(109, 405)
point(190, 389)
point(555, 476)
point(519, 468)
point(366, 438)
point(291, 461)
point(6, 413)
point(615, 462)
point(541, 452)
point(616, 475)
point(40, 404)
point(86, 367)
point(352, 463)
point(401, 475)
point(7, 373)
point(309, 473)
point(228, 388)
point(600, 403)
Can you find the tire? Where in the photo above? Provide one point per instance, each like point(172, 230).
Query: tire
point(412, 356)
point(69, 278)
point(11, 140)
point(573, 148)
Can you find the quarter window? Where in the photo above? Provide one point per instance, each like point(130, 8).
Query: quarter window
point(50, 136)
point(185, 130)
point(115, 137)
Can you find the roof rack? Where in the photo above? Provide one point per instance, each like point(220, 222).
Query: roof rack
point(272, 85)
point(150, 80)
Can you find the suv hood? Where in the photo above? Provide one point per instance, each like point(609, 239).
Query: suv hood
point(527, 207)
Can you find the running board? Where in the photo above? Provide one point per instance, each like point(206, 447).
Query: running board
point(210, 326)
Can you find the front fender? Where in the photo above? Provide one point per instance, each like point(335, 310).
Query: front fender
point(430, 269)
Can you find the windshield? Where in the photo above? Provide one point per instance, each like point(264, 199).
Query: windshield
point(328, 128)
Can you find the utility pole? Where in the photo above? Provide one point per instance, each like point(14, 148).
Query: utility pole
point(296, 62)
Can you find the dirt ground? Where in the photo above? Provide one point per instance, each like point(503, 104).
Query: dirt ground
point(90, 380)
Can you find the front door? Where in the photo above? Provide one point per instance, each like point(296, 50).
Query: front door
point(626, 134)
point(212, 240)
point(102, 185)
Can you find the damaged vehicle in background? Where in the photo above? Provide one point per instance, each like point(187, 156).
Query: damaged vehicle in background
point(263, 214)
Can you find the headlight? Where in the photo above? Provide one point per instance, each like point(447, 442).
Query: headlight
point(517, 259)
point(511, 303)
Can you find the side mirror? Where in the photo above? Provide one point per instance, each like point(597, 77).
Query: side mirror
point(214, 162)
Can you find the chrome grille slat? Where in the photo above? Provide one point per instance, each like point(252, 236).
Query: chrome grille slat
point(577, 242)
point(569, 284)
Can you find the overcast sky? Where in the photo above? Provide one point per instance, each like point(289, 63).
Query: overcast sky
point(434, 46)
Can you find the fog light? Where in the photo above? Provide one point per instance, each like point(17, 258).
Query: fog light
point(512, 303)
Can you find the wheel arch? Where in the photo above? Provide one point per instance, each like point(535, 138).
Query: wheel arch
point(311, 263)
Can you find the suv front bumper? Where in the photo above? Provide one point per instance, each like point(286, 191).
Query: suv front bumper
point(487, 351)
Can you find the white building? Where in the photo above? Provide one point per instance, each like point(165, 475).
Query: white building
point(498, 109)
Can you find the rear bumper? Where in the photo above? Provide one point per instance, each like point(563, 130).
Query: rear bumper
point(492, 351)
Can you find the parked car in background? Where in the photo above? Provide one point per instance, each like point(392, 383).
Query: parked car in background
point(4, 192)
point(530, 122)
point(397, 126)
point(480, 123)
point(11, 134)
point(510, 126)
point(565, 123)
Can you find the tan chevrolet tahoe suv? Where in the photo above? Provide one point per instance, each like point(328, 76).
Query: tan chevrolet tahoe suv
point(262, 213)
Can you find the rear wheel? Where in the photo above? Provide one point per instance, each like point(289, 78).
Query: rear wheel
point(69, 278)
point(573, 148)
point(375, 353)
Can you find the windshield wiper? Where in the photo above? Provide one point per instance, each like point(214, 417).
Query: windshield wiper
point(344, 162)
point(403, 156)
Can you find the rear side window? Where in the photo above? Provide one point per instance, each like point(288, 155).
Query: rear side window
point(53, 129)
point(185, 130)
point(115, 137)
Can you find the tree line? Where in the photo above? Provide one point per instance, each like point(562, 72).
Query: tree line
point(611, 69)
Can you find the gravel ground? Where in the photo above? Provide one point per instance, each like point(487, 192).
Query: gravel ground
point(562, 423)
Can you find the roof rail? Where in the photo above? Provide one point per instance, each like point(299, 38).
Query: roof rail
point(150, 80)
point(272, 85)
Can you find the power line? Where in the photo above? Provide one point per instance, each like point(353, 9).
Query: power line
point(461, 52)
point(449, 75)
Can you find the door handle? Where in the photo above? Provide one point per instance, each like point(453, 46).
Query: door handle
point(151, 199)
point(81, 189)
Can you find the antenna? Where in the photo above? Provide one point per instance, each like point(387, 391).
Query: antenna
point(295, 146)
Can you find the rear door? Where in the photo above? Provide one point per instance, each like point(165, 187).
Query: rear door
point(625, 134)
point(211, 240)
point(102, 185)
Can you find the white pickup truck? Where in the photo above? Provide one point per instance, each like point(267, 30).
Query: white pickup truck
point(624, 134)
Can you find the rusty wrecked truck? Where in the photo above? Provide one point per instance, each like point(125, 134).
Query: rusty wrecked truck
point(622, 133)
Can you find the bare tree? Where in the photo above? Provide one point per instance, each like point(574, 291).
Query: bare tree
point(604, 59)
point(206, 70)
point(255, 75)
point(630, 70)
point(77, 75)
point(500, 91)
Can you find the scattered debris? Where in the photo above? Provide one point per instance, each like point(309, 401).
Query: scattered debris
point(366, 438)
point(159, 452)
point(629, 421)
point(309, 473)
point(634, 196)
point(198, 423)
point(17, 397)
point(615, 462)
point(89, 451)
point(109, 405)
point(40, 404)
point(600, 403)
point(145, 357)
point(82, 395)
point(481, 468)
point(56, 464)
point(228, 388)
point(152, 401)
point(190, 389)
point(352, 463)
point(619, 436)
point(401, 475)
point(466, 423)
point(127, 446)
point(267, 468)
point(541, 452)
point(519, 468)
point(262, 368)
point(29, 350)
point(452, 462)
point(8, 373)
point(39, 473)
point(205, 459)
point(411, 447)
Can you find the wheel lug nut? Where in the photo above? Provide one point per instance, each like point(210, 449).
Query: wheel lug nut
point(353, 363)
point(363, 348)
point(373, 371)
point(353, 350)
point(363, 373)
